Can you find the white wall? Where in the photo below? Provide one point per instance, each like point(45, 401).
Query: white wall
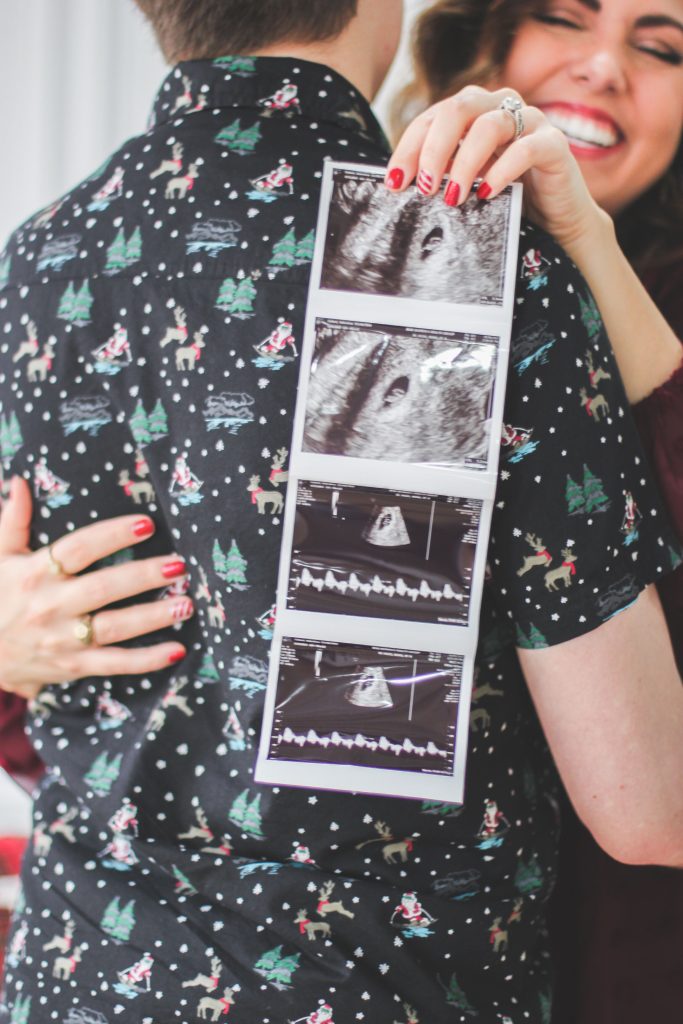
point(79, 78)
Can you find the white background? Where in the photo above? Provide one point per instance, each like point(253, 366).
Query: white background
point(78, 78)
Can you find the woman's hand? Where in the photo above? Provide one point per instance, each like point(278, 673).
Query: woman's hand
point(47, 631)
point(469, 136)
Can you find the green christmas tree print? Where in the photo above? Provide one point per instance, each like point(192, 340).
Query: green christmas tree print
point(593, 493)
point(304, 250)
point(116, 254)
point(276, 968)
point(183, 883)
point(243, 302)
point(208, 670)
point(11, 439)
point(590, 315)
point(239, 807)
point(219, 560)
point(251, 823)
point(247, 139)
point(284, 251)
point(134, 247)
point(139, 425)
point(4, 271)
point(546, 1003)
point(227, 135)
point(110, 916)
point(536, 638)
point(82, 303)
point(456, 997)
point(125, 922)
point(67, 302)
point(574, 497)
point(528, 877)
point(103, 773)
point(158, 421)
point(675, 558)
point(238, 65)
point(226, 293)
point(21, 1010)
point(235, 566)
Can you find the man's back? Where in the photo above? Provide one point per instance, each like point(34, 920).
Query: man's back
point(163, 305)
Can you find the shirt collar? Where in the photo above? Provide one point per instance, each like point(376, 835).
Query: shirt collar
point(275, 86)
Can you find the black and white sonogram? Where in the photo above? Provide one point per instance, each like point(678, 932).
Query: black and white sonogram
point(410, 246)
point(383, 554)
point(355, 705)
point(400, 394)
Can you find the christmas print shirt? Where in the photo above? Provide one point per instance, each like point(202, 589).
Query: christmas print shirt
point(151, 322)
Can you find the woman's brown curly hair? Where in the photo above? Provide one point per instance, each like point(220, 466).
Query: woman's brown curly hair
point(462, 42)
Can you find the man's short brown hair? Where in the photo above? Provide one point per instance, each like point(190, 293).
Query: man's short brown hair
point(195, 29)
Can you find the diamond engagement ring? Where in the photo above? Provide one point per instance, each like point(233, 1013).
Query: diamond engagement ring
point(513, 106)
point(83, 630)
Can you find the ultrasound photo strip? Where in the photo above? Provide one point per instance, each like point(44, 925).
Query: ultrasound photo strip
point(392, 476)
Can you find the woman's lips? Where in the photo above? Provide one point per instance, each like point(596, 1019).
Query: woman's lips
point(590, 132)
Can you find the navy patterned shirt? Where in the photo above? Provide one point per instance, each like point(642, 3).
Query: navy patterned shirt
point(150, 324)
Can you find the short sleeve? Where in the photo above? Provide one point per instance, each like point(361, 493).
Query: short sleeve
point(578, 528)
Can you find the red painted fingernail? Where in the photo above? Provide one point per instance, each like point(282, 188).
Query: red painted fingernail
point(182, 610)
point(484, 190)
point(176, 657)
point(171, 569)
point(424, 182)
point(143, 528)
point(452, 193)
point(394, 178)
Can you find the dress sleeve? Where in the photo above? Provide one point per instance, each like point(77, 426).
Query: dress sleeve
point(17, 756)
point(578, 528)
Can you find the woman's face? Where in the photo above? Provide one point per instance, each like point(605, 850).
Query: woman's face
point(609, 73)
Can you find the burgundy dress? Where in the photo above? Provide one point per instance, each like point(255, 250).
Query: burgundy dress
point(619, 929)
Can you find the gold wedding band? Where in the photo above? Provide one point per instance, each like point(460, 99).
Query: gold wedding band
point(56, 567)
point(83, 630)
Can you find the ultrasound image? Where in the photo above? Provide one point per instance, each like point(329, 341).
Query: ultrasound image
point(398, 394)
point(411, 246)
point(365, 552)
point(340, 704)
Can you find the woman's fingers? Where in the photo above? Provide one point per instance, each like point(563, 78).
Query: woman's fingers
point(79, 550)
point(405, 161)
point(492, 131)
point(15, 520)
point(103, 587)
point(122, 661)
point(113, 627)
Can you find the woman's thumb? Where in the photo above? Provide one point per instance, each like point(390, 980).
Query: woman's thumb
point(15, 519)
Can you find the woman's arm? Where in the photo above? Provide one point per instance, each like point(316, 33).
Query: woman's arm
point(469, 136)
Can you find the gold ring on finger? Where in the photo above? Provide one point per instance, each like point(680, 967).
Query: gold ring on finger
point(56, 567)
point(83, 630)
point(513, 106)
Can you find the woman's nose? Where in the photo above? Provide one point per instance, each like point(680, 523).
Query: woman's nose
point(601, 70)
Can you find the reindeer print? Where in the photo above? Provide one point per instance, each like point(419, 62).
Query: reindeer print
point(187, 355)
point(179, 332)
point(141, 491)
point(37, 369)
point(210, 1008)
point(177, 188)
point(597, 406)
point(311, 928)
point(565, 572)
point(30, 346)
point(325, 906)
point(541, 556)
point(262, 498)
point(172, 165)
